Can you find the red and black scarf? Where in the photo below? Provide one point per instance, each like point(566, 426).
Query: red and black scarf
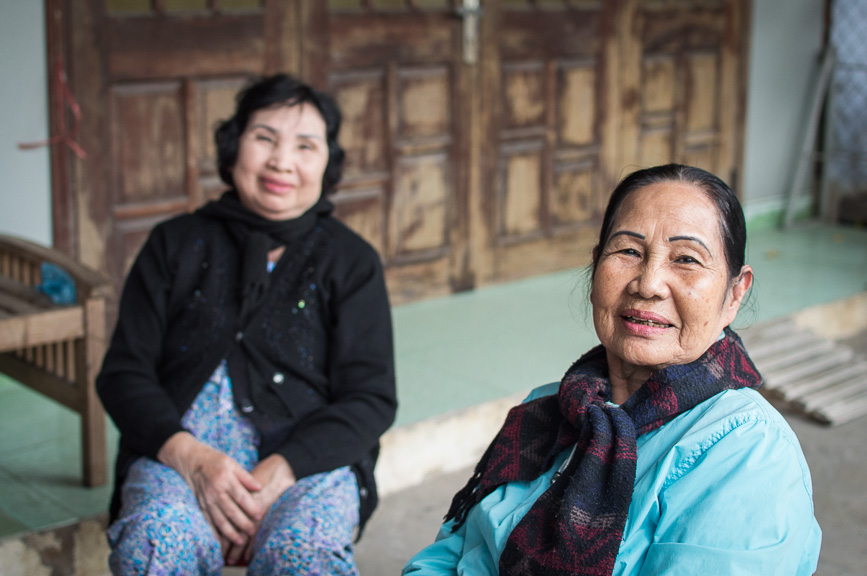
point(576, 526)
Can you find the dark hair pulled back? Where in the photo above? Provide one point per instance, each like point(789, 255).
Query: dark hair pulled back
point(733, 229)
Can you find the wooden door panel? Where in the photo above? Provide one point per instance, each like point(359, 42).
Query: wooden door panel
point(362, 210)
point(575, 200)
point(550, 82)
point(520, 190)
point(162, 46)
point(210, 101)
point(576, 104)
point(419, 215)
point(396, 75)
point(148, 145)
point(362, 99)
point(685, 65)
point(523, 98)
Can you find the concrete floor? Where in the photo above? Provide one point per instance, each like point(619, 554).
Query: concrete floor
point(408, 520)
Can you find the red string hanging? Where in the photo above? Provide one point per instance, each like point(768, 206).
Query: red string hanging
point(67, 137)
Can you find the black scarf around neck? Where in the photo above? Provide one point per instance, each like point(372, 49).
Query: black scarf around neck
point(576, 526)
point(256, 236)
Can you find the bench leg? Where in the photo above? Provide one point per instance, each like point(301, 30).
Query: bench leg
point(89, 353)
point(93, 443)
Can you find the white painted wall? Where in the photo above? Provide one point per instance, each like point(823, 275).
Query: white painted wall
point(25, 192)
point(785, 48)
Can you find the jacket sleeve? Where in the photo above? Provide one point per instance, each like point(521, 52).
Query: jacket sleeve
point(744, 506)
point(128, 384)
point(442, 557)
point(363, 401)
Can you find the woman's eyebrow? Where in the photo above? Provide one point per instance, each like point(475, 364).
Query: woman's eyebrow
point(264, 127)
point(692, 239)
point(627, 233)
point(312, 137)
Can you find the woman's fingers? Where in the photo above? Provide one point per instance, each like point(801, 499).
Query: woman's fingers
point(226, 528)
point(243, 496)
point(222, 487)
point(223, 497)
point(248, 550)
point(235, 553)
point(248, 480)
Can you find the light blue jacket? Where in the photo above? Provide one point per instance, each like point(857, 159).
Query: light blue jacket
point(721, 489)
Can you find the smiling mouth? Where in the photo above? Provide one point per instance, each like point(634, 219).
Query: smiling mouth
point(646, 322)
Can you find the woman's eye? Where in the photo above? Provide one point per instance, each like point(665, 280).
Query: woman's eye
point(264, 138)
point(686, 260)
point(629, 252)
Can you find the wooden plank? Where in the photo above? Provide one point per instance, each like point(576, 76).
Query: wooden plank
point(810, 366)
point(41, 328)
point(158, 48)
point(762, 350)
point(839, 392)
point(16, 305)
point(786, 359)
point(57, 389)
point(24, 292)
point(844, 411)
point(839, 374)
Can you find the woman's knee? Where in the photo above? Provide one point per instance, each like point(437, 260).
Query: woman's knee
point(170, 539)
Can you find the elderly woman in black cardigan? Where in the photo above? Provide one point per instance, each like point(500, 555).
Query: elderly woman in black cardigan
point(251, 370)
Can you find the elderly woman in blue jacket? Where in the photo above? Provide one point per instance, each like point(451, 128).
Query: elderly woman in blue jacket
point(655, 454)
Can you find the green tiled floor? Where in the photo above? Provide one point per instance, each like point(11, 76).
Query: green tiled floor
point(451, 353)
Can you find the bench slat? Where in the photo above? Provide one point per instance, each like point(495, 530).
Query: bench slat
point(57, 389)
point(41, 328)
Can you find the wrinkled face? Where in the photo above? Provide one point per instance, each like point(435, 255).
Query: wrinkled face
point(661, 293)
point(282, 155)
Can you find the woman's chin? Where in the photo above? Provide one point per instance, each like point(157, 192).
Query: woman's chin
point(648, 354)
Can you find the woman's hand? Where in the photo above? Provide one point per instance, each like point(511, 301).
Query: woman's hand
point(275, 475)
point(224, 490)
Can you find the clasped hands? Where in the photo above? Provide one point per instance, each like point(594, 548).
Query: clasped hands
point(233, 500)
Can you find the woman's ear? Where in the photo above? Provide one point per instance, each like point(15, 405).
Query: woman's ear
point(738, 291)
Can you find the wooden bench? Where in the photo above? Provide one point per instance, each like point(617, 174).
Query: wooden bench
point(56, 350)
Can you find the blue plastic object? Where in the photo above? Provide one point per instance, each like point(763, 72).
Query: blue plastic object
point(57, 284)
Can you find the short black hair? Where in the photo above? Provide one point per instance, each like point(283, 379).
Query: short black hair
point(733, 228)
point(270, 91)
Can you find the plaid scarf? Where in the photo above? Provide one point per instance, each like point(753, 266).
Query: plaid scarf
point(576, 526)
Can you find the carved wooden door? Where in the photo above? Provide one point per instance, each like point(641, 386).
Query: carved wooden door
point(549, 93)
point(395, 67)
point(685, 63)
point(577, 93)
point(474, 155)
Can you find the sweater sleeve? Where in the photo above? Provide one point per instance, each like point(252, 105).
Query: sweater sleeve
point(743, 506)
point(128, 384)
point(363, 401)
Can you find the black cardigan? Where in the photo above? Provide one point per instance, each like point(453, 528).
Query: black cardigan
point(324, 329)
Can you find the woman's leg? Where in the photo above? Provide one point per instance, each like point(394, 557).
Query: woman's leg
point(161, 529)
point(309, 529)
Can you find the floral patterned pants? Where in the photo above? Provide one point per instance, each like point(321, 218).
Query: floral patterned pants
point(162, 531)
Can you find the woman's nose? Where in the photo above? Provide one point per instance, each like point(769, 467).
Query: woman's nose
point(282, 157)
point(649, 281)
